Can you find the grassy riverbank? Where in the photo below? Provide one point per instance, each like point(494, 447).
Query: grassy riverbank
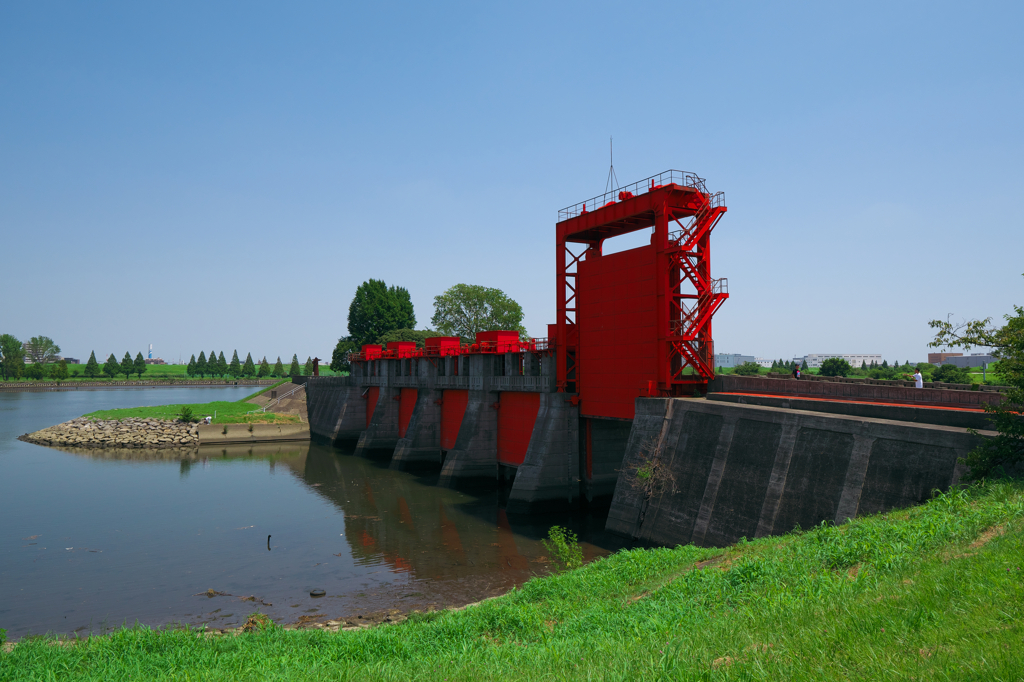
point(935, 592)
point(223, 412)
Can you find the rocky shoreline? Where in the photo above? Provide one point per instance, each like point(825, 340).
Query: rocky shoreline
point(114, 433)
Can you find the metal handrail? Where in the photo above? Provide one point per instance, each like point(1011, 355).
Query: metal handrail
point(669, 177)
point(276, 400)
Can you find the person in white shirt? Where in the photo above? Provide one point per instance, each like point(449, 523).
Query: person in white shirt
point(918, 379)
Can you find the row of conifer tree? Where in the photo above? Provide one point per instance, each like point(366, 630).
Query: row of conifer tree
point(217, 366)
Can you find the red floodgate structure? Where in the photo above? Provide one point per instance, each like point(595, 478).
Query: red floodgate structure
point(637, 322)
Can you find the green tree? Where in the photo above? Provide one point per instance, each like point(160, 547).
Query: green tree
point(127, 365)
point(59, 371)
point(803, 365)
point(775, 364)
point(42, 350)
point(307, 368)
point(222, 364)
point(747, 369)
point(36, 371)
point(211, 364)
point(278, 368)
point(139, 366)
point(202, 369)
point(13, 364)
point(295, 370)
point(1004, 451)
point(191, 369)
point(339, 358)
point(415, 335)
point(951, 374)
point(248, 369)
point(235, 368)
point(835, 367)
point(111, 367)
point(885, 364)
point(264, 369)
point(465, 309)
point(92, 368)
point(864, 365)
point(377, 308)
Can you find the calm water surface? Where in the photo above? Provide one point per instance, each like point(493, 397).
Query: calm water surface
point(93, 539)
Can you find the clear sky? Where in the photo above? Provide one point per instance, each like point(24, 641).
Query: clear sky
point(223, 175)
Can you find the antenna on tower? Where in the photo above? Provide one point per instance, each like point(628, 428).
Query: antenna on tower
point(613, 181)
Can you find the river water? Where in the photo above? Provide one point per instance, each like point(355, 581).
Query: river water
point(91, 540)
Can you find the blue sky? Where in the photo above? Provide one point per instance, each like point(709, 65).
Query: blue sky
point(223, 175)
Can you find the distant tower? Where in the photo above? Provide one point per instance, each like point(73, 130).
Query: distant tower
point(150, 351)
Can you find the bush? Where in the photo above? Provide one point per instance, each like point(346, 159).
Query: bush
point(564, 548)
point(835, 367)
point(186, 415)
point(951, 374)
point(747, 369)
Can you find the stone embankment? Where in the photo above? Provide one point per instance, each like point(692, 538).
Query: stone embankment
point(124, 433)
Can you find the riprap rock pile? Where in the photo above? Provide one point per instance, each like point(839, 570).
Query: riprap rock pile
point(114, 433)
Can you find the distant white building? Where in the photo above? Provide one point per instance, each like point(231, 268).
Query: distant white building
point(765, 362)
point(814, 360)
point(732, 359)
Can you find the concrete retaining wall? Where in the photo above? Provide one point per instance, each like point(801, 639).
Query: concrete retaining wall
point(213, 434)
point(750, 471)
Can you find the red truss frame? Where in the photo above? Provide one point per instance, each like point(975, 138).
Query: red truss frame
point(683, 214)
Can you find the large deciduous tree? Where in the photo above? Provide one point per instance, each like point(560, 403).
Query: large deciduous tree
point(1005, 451)
point(835, 367)
point(42, 350)
point(339, 358)
point(465, 309)
point(376, 309)
point(12, 366)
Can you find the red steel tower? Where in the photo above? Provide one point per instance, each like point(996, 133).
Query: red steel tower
point(637, 322)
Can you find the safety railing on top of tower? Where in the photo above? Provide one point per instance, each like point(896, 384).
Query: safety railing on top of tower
point(669, 177)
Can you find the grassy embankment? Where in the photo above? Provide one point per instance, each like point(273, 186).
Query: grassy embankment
point(223, 412)
point(934, 592)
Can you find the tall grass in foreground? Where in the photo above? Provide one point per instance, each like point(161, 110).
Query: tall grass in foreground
point(933, 592)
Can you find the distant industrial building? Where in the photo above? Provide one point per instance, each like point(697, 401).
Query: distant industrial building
point(732, 359)
point(972, 360)
point(940, 358)
point(155, 361)
point(814, 360)
point(70, 361)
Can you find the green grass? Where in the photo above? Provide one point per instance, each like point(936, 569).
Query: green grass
point(227, 413)
point(935, 592)
point(264, 390)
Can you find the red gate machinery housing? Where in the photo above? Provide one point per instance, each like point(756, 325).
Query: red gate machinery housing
point(637, 322)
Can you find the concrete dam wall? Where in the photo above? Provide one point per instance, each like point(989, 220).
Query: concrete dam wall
point(479, 418)
point(749, 471)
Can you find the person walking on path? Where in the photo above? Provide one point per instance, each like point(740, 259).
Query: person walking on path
point(918, 379)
